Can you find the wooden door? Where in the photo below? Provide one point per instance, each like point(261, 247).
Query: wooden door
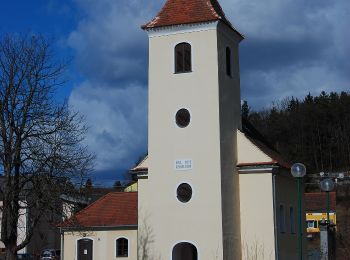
point(85, 249)
point(184, 251)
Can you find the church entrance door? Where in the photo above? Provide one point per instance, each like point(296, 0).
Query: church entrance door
point(184, 251)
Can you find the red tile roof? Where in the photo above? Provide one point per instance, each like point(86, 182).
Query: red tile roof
point(114, 209)
point(176, 12)
point(317, 201)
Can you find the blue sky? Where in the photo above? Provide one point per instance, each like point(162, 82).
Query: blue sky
point(292, 47)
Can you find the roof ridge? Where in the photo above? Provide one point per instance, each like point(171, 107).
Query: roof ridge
point(125, 203)
point(144, 159)
point(249, 129)
point(262, 144)
point(168, 3)
point(219, 12)
point(75, 215)
point(273, 160)
point(177, 12)
point(98, 201)
point(89, 206)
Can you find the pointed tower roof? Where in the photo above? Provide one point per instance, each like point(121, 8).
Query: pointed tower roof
point(176, 12)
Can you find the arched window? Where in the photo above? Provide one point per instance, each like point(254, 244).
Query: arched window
point(184, 251)
point(228, 61)
point(122, 247)
point(183, 58)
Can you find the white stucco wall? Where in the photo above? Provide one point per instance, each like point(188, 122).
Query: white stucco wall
point(260, 219)
point(257, 219)
point(104, 244)
point(248, 152)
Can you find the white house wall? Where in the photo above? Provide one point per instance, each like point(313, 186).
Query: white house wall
point(257, 217)
point(104, 244)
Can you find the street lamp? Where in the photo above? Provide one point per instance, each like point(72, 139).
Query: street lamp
point(298, 171)
point(327, 185)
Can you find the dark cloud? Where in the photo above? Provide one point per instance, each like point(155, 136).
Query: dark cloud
point(109, 177)
point(267, 55)
point(117, 118)
point(292, 47)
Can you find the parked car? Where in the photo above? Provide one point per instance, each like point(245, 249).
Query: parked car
point(50, 254)
point(25, 256)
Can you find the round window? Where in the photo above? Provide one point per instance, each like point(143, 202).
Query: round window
point(183, 117)
point(184, 192)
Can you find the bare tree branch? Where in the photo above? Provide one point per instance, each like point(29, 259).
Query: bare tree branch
point(41, 151)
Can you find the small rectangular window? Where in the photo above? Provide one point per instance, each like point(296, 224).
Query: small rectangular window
point(228, 61)
point(311, 224)
point(282, 220)
point(292, 220)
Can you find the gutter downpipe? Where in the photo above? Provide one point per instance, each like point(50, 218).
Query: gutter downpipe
point(62, 244)
point(275, 214)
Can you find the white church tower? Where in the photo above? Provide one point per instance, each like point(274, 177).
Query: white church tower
point(189, 200)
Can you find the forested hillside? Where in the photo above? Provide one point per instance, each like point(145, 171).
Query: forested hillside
point(314, 130)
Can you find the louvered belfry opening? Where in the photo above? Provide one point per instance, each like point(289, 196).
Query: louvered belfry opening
point(183, 58)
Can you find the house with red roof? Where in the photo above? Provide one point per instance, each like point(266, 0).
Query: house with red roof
point(211, 187)
point(106, 229)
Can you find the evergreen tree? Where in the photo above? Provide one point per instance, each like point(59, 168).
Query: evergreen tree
point(315, 130)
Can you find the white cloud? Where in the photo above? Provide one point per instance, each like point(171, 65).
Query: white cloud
point(117, 120)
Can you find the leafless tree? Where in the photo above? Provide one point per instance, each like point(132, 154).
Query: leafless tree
point(41, 149)
point(146, 240)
